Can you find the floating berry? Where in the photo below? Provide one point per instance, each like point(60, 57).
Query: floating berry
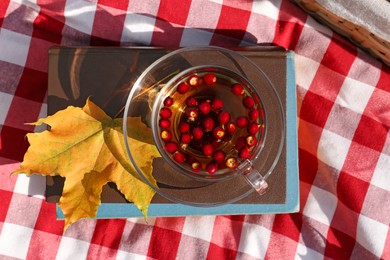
point(248, 102)
point(237, 89)
point(208, 124)
point(253, 114)
point(171, 147)
point(192, 113)
point(209, 79)
point(204, 107)
point(183, 88)
point(231, 162)
point(218, 133)
point(193, 80)
point(168, 101)
point(208, 149)
point(211, 168)
point(197, 133)
point(191, 101)
point(242, 121)
point(231, 127)
point(165, 112)
point(223, 117)
point(253, 128)
point(251, 140)
point(219, 156)
point(166, 135)
point(217, 104)
point(244, 153)
point(184, 127)
point(179, 157)
point(196, 166)
point(216, 143)
point(186, 138)
point(164, 123)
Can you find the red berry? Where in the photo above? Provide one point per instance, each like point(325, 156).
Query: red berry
point(218, 133)
point(216, 143)
point(208, 149)
point(197, 133)
point(251, 140)
point(168, 101)
point(196, 166)
point(244, 153)
point(164, 123)
point(253, 128)
point(248, 102)
point(237, 89)
point(165, 112)
point(253, 114)
point(204, 107)
point(223, 117)
point(193, 80)
point(171, 147)
point(191, 102)
point(184, 127)
point(208, 124)
point(209, 79)
point(231, 162)
point(166, 136)
point(186, 138)
point(192, 113)
point(217, 104)
point(179, 157)
point(231, 127)
point(211, 167)
point(183, 88)
point(242, 121)
point(219, 156)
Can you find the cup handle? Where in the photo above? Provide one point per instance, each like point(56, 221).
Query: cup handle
point(253, 177)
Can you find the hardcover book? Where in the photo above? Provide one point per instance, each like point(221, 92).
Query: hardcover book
point(106, 75)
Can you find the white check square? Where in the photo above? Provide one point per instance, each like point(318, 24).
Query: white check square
point(195, 37)
point(304, 252)
point(33, 185)
point(71, 248)
point(122, 255)
point(381, 176)
point(371, 234)
point(15, 240)
point(254, 240)
point(320, 205)
point(354, 95)
point(333, 149)
point(138, 29)
point(5, 102)
point(307, 68)
point(199, 227)
point(14, 47)
point(80, 15)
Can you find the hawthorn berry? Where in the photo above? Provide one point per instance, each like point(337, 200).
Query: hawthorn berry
point(209, 79)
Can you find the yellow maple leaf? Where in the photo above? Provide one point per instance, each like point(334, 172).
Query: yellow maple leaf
point(87, 148)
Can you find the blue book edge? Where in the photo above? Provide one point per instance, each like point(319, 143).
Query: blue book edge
point(129, 210)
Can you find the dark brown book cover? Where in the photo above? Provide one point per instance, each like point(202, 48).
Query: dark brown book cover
point(106, 75)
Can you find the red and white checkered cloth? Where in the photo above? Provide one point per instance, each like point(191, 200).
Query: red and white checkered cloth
point(344, 140)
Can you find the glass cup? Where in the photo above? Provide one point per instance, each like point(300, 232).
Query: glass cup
point(216, 120)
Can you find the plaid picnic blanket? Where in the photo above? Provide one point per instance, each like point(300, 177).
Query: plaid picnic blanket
point(343, 116)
